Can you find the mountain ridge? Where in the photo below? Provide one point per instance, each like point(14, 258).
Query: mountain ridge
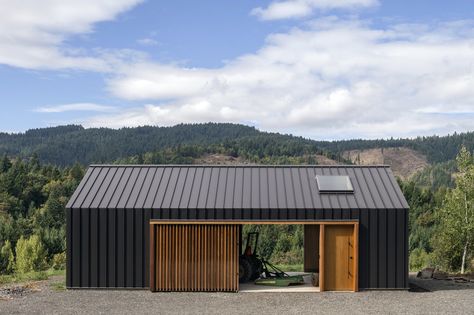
point(65, 145)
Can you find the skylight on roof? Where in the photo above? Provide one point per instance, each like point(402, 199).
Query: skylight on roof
point(334, 184)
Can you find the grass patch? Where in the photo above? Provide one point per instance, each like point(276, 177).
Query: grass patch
point(295, 267)
point(58, 286)
point(30, 276)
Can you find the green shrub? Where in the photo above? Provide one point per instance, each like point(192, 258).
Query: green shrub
point(291, 257)
point(53, 239)
point(283, 244)
point(30, 255)
point(40, 275)
point(59, 261)
point(419, 259)
point(7, 260)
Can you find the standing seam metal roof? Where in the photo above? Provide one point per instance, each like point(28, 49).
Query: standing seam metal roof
point(233, 187)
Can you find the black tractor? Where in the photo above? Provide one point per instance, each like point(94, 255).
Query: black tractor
point(250, 264)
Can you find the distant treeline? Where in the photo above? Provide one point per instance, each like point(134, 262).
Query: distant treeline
point(260, 150)
point(437, 149)
point(66, 145)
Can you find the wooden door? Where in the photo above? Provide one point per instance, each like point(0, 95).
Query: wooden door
point(194, 257)
point(339, 258)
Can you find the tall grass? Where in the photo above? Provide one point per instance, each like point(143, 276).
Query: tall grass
point(294, 267)
point(30, 276)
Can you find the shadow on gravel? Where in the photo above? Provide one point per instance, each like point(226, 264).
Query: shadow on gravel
point(433, 285)
point(416, 288)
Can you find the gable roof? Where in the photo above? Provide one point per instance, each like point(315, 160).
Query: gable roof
point(233, 187)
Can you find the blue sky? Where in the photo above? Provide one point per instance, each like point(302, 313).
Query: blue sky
point(324, 69)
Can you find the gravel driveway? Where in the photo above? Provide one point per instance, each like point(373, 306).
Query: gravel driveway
point(445, 298)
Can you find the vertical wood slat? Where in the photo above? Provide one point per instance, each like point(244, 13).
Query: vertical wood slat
point(194, 257)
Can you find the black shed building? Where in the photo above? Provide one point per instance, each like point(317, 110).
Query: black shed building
point(178, 227)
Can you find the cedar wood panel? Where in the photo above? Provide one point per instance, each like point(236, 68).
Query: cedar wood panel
point(194, 257)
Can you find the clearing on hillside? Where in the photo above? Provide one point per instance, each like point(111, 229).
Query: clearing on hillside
point(404, 161)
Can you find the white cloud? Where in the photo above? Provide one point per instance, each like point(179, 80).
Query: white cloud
point(147, 42)
point(301, 8)
point(32, 33)
point(335, 79)
point(85, 107)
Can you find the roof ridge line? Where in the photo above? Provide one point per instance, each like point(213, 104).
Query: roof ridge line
point(244, 165)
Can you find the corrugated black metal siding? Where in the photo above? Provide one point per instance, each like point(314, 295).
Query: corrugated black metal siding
point(109, 247)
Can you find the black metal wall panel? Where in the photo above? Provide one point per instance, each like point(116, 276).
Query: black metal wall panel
point(364, 248)
point(129, 248)
point(402, 243)
point(103, 240)
point(69, 246)
point(382, 261)
point(94, 248)
point(391, 247)
point(138, 249)
point(75, 257)
point(112, 248)
point(146, 246)
point(373, 250)
point(120, 246)
point(85, 247)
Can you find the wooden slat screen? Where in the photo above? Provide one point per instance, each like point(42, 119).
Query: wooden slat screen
point(194, 257)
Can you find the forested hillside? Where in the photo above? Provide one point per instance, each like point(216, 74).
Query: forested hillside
point(435, 148)
point(65, 145)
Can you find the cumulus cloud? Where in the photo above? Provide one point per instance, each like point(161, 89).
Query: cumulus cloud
point(301, 8)
point(333, 79)
point(32, 33)
point(84, 107)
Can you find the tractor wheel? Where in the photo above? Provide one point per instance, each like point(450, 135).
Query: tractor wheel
point(245, 270)
point(257, 268)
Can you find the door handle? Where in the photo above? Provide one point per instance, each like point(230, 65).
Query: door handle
point(349, 247)
point(349, 275)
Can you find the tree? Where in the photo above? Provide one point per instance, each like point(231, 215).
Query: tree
point(76, 172)
point(30, 254)
point(455, 238)
point(52, 213)
point(10, 204)
point(5, 164)
point(7, 261)
point(7, 228)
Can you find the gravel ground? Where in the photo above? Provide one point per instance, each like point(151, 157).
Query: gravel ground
point(446, 298)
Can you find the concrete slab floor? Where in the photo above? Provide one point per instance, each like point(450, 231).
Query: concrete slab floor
point(306, 287)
